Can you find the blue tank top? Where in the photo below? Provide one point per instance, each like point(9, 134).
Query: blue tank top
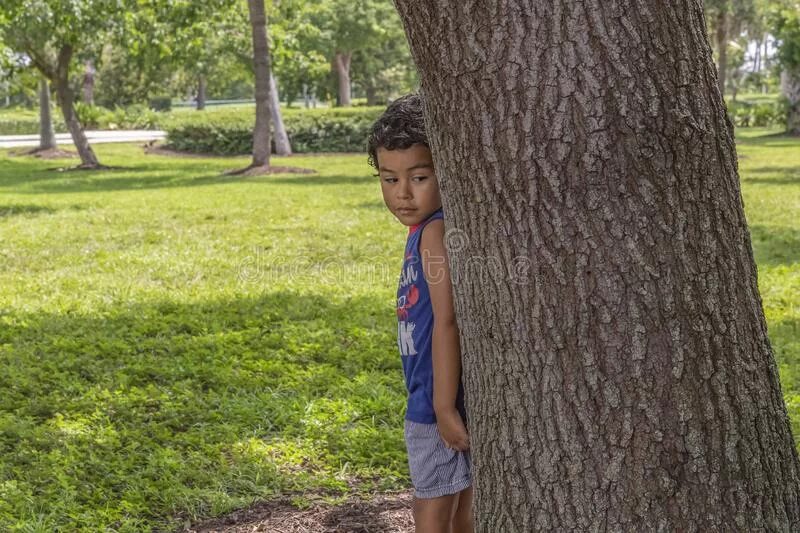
point(415, 331)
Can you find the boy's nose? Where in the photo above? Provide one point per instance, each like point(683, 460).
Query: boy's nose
point(403, 190)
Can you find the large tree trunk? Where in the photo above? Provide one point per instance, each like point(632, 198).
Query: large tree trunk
point(261, 64)
point(47, 136)
point(790, 86)
point(282, 145)
point(200, 103)
point(88, 82)
point(341, 63)
point(66, 100)
point(722, 49)
point(617, 369)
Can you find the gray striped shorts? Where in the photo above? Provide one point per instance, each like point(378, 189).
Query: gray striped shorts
point(435, 469)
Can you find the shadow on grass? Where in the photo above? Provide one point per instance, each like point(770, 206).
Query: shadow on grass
point(775, 245)
point(164, 405)
point(10, 210)
point(776, 140)
point(372, 205)
point(120, 347)
point(325, 180)
point(29, 177)
point(773, 175)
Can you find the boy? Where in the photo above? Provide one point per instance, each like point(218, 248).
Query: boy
point(435, 431)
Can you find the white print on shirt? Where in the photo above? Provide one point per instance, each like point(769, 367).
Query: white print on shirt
point(407, 276)
point(405, 340)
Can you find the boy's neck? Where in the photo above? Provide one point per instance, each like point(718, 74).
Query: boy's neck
point(412, 229)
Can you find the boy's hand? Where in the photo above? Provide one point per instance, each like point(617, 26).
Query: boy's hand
point(452, 429)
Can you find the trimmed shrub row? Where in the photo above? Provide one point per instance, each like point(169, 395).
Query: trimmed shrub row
point(329, 130)
point(135, 117)
point(229, 131)
point(747, 114)
point(28, 126)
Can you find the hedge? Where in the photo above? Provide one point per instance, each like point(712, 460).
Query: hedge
point(328, 130)
point(748, 114)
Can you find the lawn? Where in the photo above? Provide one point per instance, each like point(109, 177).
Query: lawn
point(175, 344)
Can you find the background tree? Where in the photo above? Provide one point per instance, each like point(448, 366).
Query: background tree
point(47, 135)
point(298, 51)
point(726, 20)
point(51, 33)
point(347, 26)
point(241, 47)
point(282, 145)
point(261, 68)
point(617, 368)
point(787, 29)
point(20, 82)
point(384, 70)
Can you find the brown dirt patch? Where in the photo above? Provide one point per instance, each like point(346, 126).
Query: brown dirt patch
point(51, 153)
point(265, 171)
point(152, 147)
point(385, 513)
point(155, 148)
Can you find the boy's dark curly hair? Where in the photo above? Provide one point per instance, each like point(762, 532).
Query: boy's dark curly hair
point(401, 126)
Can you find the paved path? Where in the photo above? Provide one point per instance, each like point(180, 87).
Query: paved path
point(10, 141)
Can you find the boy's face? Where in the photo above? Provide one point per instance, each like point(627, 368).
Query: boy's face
point(408, 183)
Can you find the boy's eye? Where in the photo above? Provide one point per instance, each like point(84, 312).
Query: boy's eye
point(419, 178)
point(389, 179)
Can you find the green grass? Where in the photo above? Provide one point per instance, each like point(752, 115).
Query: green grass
point(769, 166)
point(175, 344)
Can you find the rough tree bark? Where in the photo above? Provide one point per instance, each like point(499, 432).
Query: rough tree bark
point(617, 368)
point(341, 64)
point(282, 144)
point(790, 87)
point(47, 136)
point(66, 100)
point(261, 66)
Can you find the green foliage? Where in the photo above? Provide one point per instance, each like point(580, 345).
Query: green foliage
point(89, 115)
point(763, 114)
point(226, 138)
point(161, 103)
point(124, 78)
point(786, 25)
point(26, 122)
point(135, 117)
point(332, 130)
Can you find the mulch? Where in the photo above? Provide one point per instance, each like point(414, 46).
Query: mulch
point(153, 147)
point(384, 513)
point(156, 148)
point(50, 153)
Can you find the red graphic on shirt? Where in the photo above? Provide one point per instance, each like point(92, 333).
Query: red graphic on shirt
point(407, 302)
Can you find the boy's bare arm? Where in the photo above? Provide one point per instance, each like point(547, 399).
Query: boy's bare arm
point(446, 351)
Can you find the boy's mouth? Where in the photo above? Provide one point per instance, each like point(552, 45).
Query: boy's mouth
point(405, 210)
